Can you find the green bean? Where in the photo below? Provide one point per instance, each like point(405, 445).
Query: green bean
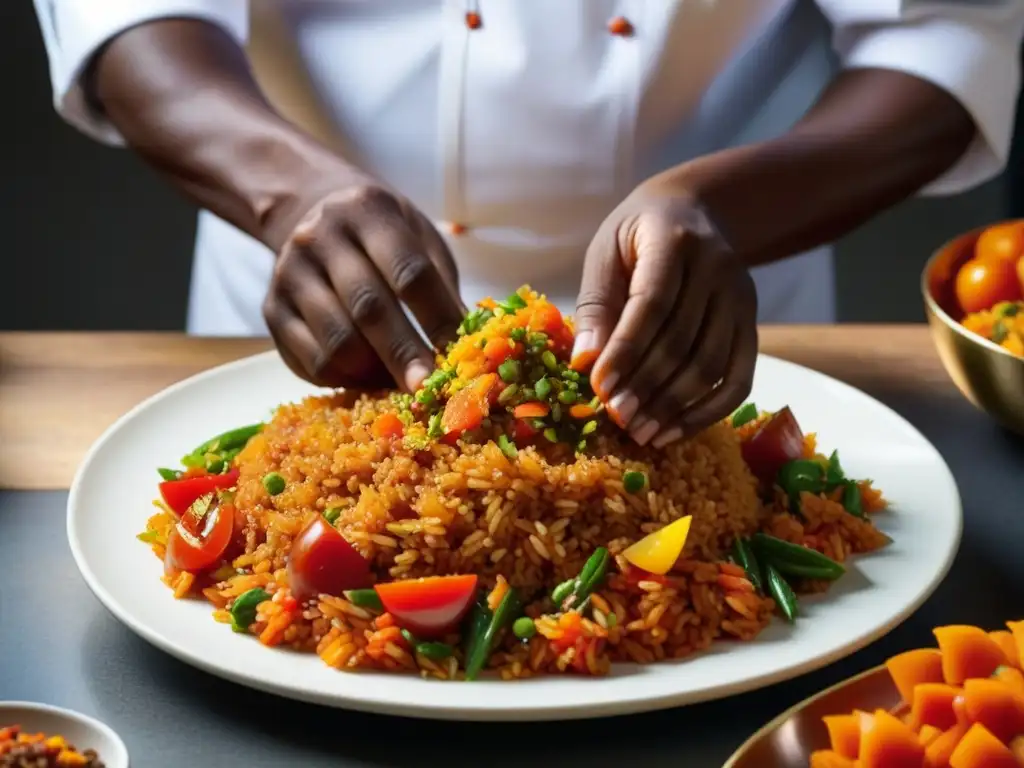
point(169, 475)
point(331, 515)
point(589, 428)
point(509, 370)
point(745, 557)
point(633, 481)
point(550, 361)
point(435, 651)
point(364, 598)
point(796, 560)
point(592, 574)
point(507, 447)
point(801, 475)
point(567, 397)
point(233, 438)
point(508, 393)
point(744, 415)
point(542, 388)
point(273, 483)
point(214, 464)
point(783, 594)
point(595, 403)
point(524, 628)
point(852, 501)
point(243, 610)
point(562, 591)
point(480, 647)
point(834, 474)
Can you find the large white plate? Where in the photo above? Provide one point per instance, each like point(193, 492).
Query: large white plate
point(112, 494)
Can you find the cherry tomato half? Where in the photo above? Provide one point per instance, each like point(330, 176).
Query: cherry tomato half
point(179, 495)
point(981, 285)
point(778, 441)
point(1001, 242)
point(430, 607)
point(200, 551)
point(322, 562)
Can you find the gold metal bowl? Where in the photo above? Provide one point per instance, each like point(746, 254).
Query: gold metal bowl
point(790, 738)
point(989, 376)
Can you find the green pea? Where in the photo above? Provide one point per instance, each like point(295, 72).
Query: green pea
point(542, 388)
point(524, 628)
point(508, 393)
point(426, 397)
point(633, 481)
point(589, 428)
point(243, 610)
point(364, 598)
point(570, 375)
point(567, 397)
point(507, 447)
point(331, 515)
point(509, 370)
point(434, 426)
point(517, 334)
point(562, 591)
point(549, 360)
point(550, 435)
point(273, 483)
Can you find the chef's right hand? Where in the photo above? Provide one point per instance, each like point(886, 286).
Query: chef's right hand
point(335, 304)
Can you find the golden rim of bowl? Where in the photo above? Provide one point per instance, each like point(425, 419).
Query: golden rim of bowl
point(940, 313)
point(782, 719)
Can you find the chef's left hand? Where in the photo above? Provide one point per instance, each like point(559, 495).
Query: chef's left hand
point(672, 313)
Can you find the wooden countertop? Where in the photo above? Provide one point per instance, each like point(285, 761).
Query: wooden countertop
point(59, 391)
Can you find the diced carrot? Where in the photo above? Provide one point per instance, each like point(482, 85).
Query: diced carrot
point(1011, 677)
point(388, 425)
point(734, 583)
point(967, 652)
point(933, 705)
point(938, 752)
point(888, 743)
point(468, 407)
point(844, 734)
point(585, 360)
point(913, 668)
point(1017, 630)
point(531, 411)
point(1008, 645)
point(981, 749)
point(928, 734)
point(496, 352)
point(826, 758)
point(993, 704)
point(582, 411)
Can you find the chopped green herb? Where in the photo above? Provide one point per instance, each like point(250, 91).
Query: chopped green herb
point(507, 447)
point(243, 610)
point(273, 483)
point(633, 481)
point(331, 515)
point(524, 628)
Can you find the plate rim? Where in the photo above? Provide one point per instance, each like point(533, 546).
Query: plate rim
point(537, 711)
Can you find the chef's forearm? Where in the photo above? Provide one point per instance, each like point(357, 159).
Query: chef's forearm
point(874, 138)
point(182, 95)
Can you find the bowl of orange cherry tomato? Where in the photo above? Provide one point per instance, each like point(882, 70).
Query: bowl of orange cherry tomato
point(973, 290)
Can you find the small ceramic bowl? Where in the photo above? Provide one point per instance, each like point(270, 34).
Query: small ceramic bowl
point(789, 739)
point(989, 376)
point(81, 731)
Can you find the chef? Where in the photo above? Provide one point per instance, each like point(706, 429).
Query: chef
point(672, 170)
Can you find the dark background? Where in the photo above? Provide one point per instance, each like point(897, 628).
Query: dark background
point(94, 241)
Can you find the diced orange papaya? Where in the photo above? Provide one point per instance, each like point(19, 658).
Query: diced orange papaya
point(933, 705)
point(928, 734)
point(913, 668)
point(1012, 678)
point(967, 652)
point(826, 758)
point(981, 749)
point(888, 743)
point(938, 752)
point(993, 704)
point(844, 734)
point(1008, 645)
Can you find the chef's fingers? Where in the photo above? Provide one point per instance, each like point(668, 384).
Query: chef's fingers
point(655, 252)
point(674, 345)
point(376, 313)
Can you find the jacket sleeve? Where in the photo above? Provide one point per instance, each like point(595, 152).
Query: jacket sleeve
point(75, 30)
point(970, 48)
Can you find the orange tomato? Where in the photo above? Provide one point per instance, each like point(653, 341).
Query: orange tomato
point(1001, 242)
point(981, 285)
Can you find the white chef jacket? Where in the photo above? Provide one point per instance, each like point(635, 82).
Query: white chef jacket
point(530, 129)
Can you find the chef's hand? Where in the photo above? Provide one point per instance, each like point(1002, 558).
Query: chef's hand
point(335, 304)
point(673, 315)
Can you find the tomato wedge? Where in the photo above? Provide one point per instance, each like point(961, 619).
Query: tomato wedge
point(179, 495)
point(778, 441)
point(199, 551)
point(322, 562)
point(430, 607)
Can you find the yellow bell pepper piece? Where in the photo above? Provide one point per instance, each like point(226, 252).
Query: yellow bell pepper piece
point(657, 552)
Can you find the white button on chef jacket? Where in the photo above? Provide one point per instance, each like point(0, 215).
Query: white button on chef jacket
point(528, 130)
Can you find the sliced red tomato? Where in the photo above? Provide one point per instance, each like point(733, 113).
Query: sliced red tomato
point(322, 562)
point(778, 441)
point(179, 495)
point(523, 432)
point(204, 548)
point(547, 319)
point(430, 607)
